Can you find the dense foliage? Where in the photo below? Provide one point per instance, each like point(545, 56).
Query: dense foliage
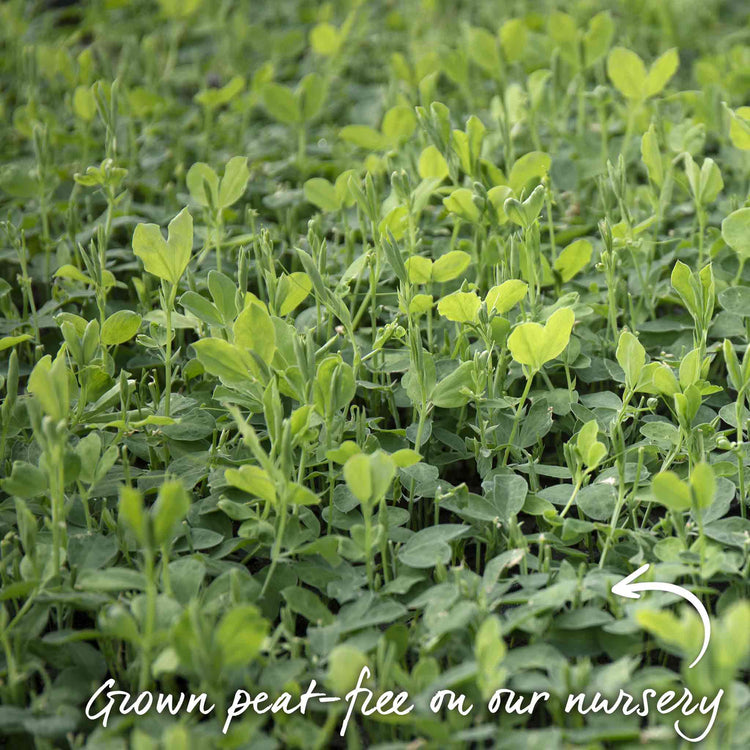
point(386, 334)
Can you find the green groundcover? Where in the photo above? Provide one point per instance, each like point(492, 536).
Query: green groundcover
point(374, 374)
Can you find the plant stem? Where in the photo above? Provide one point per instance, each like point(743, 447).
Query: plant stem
point(168, 349)
point(517, 417)
point(148, 629)
point(576, 489)
point(276, 550)
point(219, 232)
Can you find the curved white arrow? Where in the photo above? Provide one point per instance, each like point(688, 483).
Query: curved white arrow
point(627, 587)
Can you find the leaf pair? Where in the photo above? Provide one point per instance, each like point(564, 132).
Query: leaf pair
point(447, 267)
point(399, 123)
point(253, 331)
point(166, 259)
point(368, 476)
point(533, 345)
point(294, 107)
point(463, 307)
point(628, 73)
point(697, 291)
point(705, 182)
point(257, 482)
point(156, 526)
point(329, 196)
point(49, 383)
point(524, 213)
point(590, 450)
point(206, 188)
point(678, 495)
point(654, 377)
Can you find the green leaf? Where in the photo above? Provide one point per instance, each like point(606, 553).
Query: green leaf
point(281, 103)
point(253, 480)
point(432, 164)
point(171, 507)
point(483, 50)
point(84, 103)
point(198, 176)
point(703, 485)
point(292, 290)
point(405, 457)
point(364, 137)
point(489, 653)
point(460, 307)
point(628, 73)
point(255, 330)
point(598, 37)
point(736, 300)
point(9, 341)
point(532, 344)
point(589, 448)
point(66, 271)
point(299, 495)
point(450, 392)
point(735, 230)
point(497, 197)
point(382, 472)
point(681, 280)
point(334, 386)
point(25, 480)
point(573, 259)
point(345, 663)
point(357, 476)
point(224, 294)
point(431, 546)
point(651, 156)
point(670, 490)
point(739, 127)
point(661, 72)
point(420, 304)
point(132, 513)
point(322, 194)
point(450, 266)
point(325, 39)
point(303, 602)
point(234, 181)
point(503, 297)
point(461, 203)
point(224, 360)
point(165, 259)
point(690, 368)
point(311, 95)
point(419, 269)
point(513, 36)
point(711, 181)
point(399, 123)
point(532, 166)
point(120, 327)
point(111, 579)
point(525, 213)
point(563, 29)
point(49, 383)
point(631, 356)
point(240, 635)
point(179, 8)
point(396, 222)
point(201, 308)
point(344, 452)
point(369, 476)
point(507, 494)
